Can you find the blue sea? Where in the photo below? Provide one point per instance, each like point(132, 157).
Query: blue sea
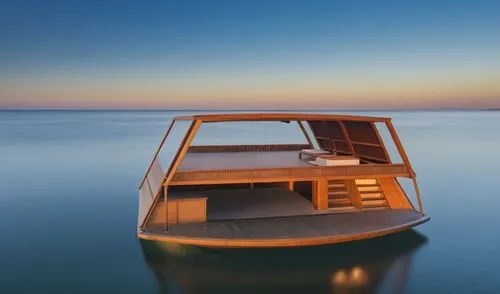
point(68, 212)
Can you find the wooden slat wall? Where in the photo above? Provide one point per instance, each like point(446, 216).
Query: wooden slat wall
point(285, 174)
point(356, 138)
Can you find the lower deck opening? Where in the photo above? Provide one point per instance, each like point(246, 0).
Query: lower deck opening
point(250, 201)
point(246, 201)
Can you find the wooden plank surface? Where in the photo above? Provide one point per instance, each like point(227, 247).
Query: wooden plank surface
point(241, 160)
point(290, 231)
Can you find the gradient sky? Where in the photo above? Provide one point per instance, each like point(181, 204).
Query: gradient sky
point(249, 54)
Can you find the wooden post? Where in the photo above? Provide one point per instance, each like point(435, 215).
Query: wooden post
point(305, 134)
point(347, 138)
point(354, 194)
point(417, 191)
point(157, 152)
point(290, 185)
point(320, 194)
point(165, 188)
point(399, 146)
point(387, 155)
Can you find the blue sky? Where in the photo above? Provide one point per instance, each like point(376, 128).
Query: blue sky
point(257, 54)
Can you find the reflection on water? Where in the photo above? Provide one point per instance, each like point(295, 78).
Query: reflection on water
point(359, 267)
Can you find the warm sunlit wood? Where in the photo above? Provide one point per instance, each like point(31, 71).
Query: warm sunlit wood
point(319, 194)
point(354, 193)
point(393, 193)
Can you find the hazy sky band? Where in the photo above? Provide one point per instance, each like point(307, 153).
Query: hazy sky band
point(290, 54)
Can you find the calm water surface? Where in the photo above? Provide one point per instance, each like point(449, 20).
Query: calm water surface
point(68, 206)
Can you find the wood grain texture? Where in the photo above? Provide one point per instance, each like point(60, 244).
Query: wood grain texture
point(394, 195)
point(290, 231)
point(179, 211)
point(353, 192)
point(320, 194)
point(283, 174)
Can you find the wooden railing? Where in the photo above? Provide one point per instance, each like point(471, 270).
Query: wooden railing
point(293, 173)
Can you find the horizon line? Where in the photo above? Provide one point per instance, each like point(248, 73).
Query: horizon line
point(242, 109)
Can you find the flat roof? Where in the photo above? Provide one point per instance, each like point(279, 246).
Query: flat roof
point(279, 117)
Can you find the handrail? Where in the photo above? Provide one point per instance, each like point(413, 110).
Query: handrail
point(186, 142)
point(157, 152)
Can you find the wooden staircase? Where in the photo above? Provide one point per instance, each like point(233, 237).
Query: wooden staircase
point(338, 195)
point(372, 195)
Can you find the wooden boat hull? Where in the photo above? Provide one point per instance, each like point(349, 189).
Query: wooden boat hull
point(356, 251)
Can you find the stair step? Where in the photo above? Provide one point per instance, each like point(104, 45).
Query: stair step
point(335, 185)
point(342, 192)
point(374, 203)
point(340, 201)
point(371, 195)
point(368, 185)
point(369, 189)
point(366, 182)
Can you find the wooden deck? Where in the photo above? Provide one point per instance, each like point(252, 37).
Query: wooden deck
point(241, 160)
point(290, 231)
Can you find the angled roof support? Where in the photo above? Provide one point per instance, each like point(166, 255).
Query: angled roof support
point(304, 131)
point(403, 155)
point(179, 156)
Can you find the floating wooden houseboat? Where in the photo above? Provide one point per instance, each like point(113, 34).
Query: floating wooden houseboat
point(340, 186)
